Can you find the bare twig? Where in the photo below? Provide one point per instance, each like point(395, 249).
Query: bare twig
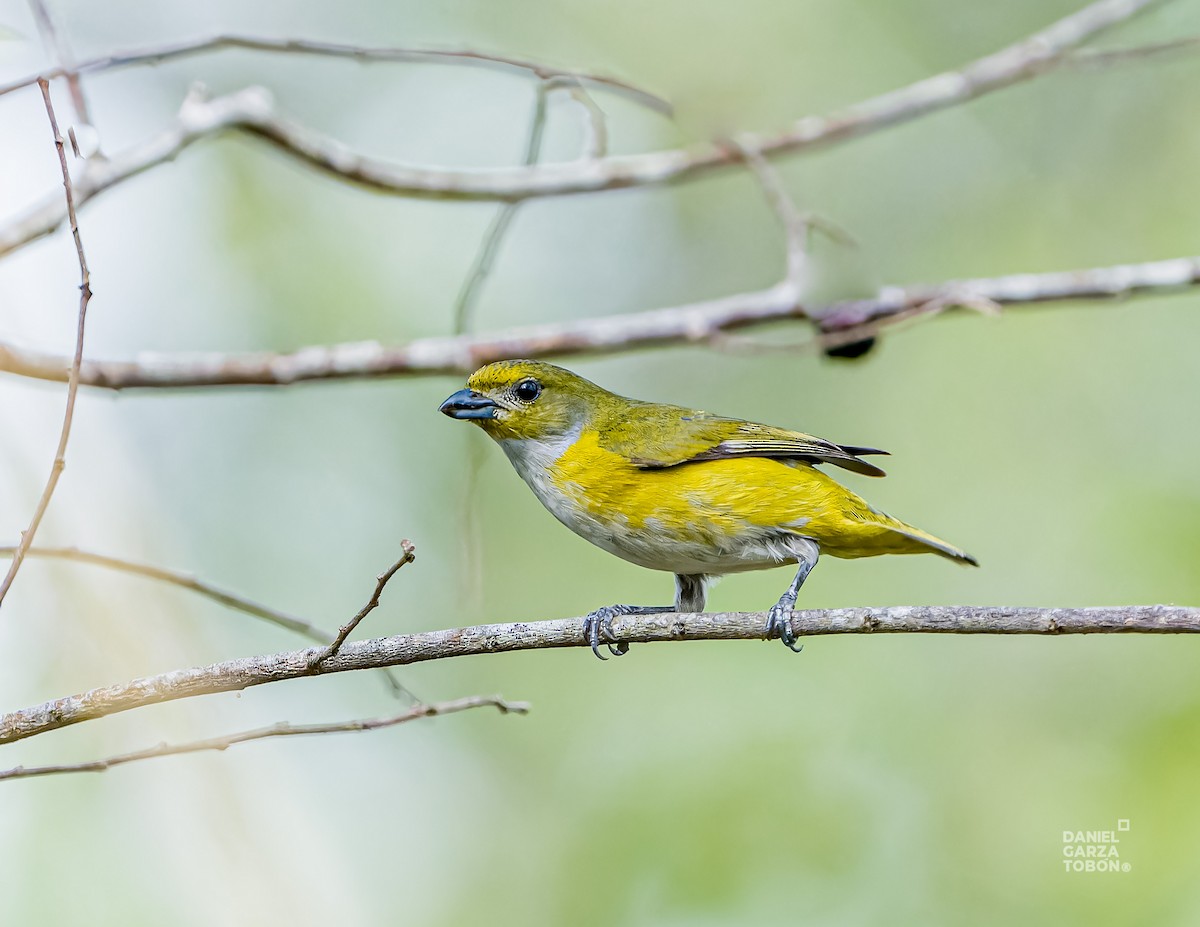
point(200, 587)
point(252, 111)
point(198, 118)
point(1105, 57)
point(595, 138)
point(380, 582)
point(795, 225)
point(61, 48)
point(182, 580)
point(236, 675)
point(468, 293)
point(85, 294)
point(687, 324)
point(490, 246)
point(283, 729)
point(158, 53)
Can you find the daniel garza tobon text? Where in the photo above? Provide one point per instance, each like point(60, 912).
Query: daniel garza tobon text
point(1094, 850)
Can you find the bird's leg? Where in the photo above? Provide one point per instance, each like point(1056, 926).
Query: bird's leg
point(597, 626)
point(691, 590)
point(779, 618)
point(689, 597)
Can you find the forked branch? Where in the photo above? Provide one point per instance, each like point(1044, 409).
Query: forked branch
point(253, 111)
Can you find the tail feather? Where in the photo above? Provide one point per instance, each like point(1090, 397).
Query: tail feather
point(927, 542)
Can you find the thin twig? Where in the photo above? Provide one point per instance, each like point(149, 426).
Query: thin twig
point(1105, 57)
point(490, 245)
point(282, 729)
point(677, 325)
point(57, 43)
point(402, 650)
point(156, 54)
point(795, 225)
point(464, 315)
point(200, 587)
point(182, 580)
point(380, 582)
point(198, 118)
point(85, 294)
point(595, 136)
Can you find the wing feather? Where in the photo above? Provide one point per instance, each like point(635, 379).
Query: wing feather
point(656, 437)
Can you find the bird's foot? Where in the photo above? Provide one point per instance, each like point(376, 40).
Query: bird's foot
point(779, 624)
point(597, 627)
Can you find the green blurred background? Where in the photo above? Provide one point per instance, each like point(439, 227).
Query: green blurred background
point(903, 780)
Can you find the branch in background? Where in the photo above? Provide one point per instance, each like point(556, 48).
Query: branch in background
point(60, 47)
point(252, 110)
point(283, 729)
point(197, 118)
point(472, 286)
point(156, 54)
point(490, 246)
point(688, 324)
point(182, 580)
point(193, 584)
point(1034, 55)
point(595, 137)
point(380, 582)
point(795, 227)
point(236, 675)
point(1104, 57)
point(85, 294)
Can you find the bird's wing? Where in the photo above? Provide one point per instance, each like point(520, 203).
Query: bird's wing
point(654, 437)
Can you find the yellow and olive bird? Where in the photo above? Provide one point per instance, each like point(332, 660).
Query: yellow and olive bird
point(695, 494)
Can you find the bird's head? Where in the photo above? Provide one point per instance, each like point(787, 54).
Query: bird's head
point(526, 400)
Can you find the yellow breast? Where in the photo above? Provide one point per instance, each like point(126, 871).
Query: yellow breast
point(712, 503)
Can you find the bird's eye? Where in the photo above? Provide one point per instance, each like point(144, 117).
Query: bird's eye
point(527, 390)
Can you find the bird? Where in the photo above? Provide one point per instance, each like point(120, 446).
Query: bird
point(681, 490)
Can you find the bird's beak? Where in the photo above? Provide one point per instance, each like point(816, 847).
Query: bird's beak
point(468, 404)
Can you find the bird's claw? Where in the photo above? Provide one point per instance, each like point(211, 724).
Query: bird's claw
point(779, 624)
point(597, 628)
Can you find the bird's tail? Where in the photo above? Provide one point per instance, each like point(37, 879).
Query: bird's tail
point(922, 542)
point(857, 529)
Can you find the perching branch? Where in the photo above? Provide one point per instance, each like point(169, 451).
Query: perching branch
point(282, 729)
point(85, 294)
point(689, 324)
point(156, 54)
point(236, 675)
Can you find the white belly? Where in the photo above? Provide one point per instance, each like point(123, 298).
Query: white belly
point(756, 549)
